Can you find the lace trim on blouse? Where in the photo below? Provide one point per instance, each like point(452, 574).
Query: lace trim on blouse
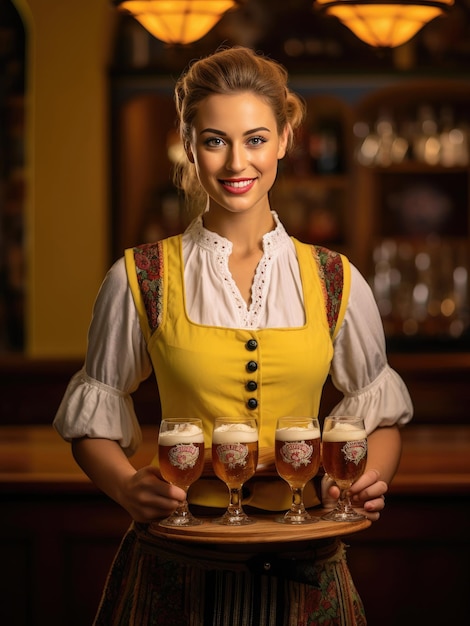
point(149, 268)
point(221, 248)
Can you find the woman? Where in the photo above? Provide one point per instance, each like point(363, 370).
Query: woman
point(233, 290)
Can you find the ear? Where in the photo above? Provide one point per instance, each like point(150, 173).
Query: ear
point(283, 142)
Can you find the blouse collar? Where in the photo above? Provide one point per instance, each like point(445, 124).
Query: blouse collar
point(272, 241)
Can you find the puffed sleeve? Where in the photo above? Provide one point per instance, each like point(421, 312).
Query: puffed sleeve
point(360, 369)
point(97, 402)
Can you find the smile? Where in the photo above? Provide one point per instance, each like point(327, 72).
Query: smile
point(238, 186)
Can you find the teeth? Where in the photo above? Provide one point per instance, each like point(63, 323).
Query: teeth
point(238, 184)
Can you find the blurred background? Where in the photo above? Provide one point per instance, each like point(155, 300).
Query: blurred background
point(380, 172)
point(88, 141)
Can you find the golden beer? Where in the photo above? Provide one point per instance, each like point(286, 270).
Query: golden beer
point(344, 451)
point(297, 454)
point(181, 455)
point(234, 459)
point(234, 453)
point(297, 457)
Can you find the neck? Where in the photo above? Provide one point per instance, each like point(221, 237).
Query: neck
point(244, 230)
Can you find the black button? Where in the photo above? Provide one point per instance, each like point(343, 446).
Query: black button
point(252, 403)
point(251, 385)
point(251, 345)
point(252, 366)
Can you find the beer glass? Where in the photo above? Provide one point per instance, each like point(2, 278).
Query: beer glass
point(297, 457)
point(234, 459)
point(181, 461)
point(344, 454)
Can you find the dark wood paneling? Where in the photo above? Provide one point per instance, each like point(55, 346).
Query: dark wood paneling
point(410, 567)
point(56, 552)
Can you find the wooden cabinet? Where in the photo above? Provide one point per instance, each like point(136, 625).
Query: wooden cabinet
point(413, 174)
point(313, 185)
point(145, 203)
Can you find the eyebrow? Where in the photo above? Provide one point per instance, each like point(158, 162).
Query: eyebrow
point(214, 131)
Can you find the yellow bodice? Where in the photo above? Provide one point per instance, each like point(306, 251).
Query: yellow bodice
point(205, 371)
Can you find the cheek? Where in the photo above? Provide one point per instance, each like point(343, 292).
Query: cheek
point(207, 164)
point(270, 160)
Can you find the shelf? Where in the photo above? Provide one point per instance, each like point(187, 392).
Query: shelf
point(415, 167)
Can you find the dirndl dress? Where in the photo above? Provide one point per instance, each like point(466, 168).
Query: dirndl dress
point(158, 582)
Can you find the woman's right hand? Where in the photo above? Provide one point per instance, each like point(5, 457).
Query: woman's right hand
point(142, 493)
point(146, 497)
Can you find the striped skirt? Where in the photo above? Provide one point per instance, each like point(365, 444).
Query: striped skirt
point(156, 582)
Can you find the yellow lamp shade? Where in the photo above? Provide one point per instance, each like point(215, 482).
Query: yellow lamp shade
point(385, 24)
point(178, 21)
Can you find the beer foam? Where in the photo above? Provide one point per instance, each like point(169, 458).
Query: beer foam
point(342, 431)
point(297, 433)
point(234, 433)
point(181, 433)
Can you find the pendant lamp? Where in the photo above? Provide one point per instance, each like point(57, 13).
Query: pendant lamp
point(385, 23)
point(176, 21)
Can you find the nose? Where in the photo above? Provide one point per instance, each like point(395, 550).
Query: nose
point(236, 158)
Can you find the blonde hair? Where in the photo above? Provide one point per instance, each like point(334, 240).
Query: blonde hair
point(229, 71)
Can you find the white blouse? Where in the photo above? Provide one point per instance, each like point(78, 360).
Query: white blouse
point(97, 402)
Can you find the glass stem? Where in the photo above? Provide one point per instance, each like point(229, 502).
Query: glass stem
point(297, 506)
point(182, 509)
point(344, 502)
point(234, 507)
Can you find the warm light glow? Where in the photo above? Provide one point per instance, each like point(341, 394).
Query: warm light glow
point(383, 23)
point(178, 21)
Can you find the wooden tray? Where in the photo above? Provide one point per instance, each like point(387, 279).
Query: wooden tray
point(264, 530)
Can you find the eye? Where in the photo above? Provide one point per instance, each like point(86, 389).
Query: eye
point(214, 142)
point(257, 141)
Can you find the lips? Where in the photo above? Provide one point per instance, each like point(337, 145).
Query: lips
point(238, 186)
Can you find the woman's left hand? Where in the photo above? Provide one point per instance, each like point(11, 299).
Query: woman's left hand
point(367, 493)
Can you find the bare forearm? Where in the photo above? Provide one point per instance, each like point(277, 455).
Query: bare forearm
point(105, 463)
point(384, 451)
point(141, 492)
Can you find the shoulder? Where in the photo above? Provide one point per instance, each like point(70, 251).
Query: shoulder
point(148, 259)
point(145, 272)
point(326, 259)
point(333, 268)
point(334, 274)
point(115, 282)
point(331, 264)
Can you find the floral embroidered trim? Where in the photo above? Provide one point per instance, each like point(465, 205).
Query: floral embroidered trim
point(149, 267)
point(330, 268)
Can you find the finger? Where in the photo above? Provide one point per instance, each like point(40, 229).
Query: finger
point(366, 480)
point(176, 493)
point(370, 510)
point(376, 490)
point(329, 492)
point(375, 504)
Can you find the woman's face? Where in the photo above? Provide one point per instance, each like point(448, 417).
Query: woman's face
point(235, 148)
